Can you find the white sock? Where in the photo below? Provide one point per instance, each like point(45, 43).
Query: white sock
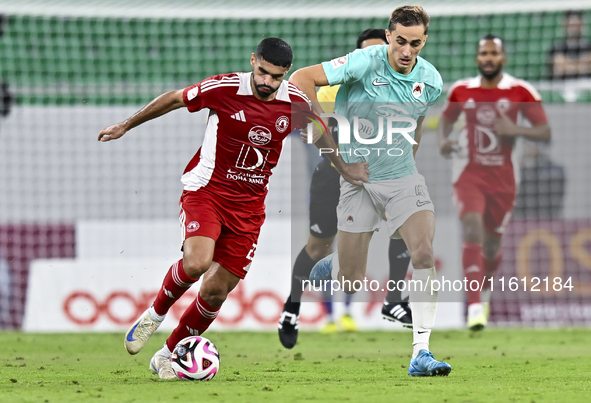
point(155, 316)
point(423, 303)
point(335, 266)
point(475, 309)
point(164, 351)
point(485, 295)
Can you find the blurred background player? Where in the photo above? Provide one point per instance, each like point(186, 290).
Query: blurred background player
point(324, 197)
point(225, 185)
point(370, 78)
point(483, 170)
point(572, 57)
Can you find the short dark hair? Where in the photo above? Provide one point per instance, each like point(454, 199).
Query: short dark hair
point(409, 16)
point(371, 33)
point(491, 37)
point(275, 51)
point(573, 13)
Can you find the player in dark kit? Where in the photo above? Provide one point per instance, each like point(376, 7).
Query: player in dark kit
point(225, 184)
point(324, 197)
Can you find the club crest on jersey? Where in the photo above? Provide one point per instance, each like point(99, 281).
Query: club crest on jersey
point(193, 226)
point(282, 123)
point(259, 135)
point(503, 105)
point(486, 115)
point(192, 93)
point(417, 90)
point(338, 62)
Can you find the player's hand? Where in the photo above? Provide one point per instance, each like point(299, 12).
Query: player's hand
point(356, 173)
point(112, 132)
point(316, 134)
point(448, 147)
point(504, 126)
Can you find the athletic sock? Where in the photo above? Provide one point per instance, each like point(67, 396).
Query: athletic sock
point(165, 351)
point(491, 267)
point(196, 319)
point(175, 284)
point(473, 269)
point(399, 259)
point(423, 303)
point(292, 307)
point(301, 271)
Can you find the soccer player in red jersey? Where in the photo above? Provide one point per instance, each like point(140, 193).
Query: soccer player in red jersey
point(225, 184)
point(483, 171)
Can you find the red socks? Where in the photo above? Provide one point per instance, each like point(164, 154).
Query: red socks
point(196, 319)
point(472, 263)
point(173, 287)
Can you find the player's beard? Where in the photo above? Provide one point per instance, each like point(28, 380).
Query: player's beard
point(264, 94)
point(489, 75)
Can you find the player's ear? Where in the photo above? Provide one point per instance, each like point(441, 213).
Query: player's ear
point(388, 36)
point(253, 58)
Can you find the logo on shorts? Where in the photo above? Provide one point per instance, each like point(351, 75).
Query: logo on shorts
point(421, 203)
point(420, 190)
point(282, 123)
point(259, 135)
point(193, 226)
point(350, 220)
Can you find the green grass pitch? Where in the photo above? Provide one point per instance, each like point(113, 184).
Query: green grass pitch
point(509, 365)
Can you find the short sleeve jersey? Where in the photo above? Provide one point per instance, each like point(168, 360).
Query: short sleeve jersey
point(243, 138)
point(482, 151)
point(371, 90)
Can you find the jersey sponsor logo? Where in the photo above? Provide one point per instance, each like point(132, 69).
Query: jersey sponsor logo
point(470, 104)
point(282, 123)
point(486, 115)
point(192, 93)
point(251, 158)
point(259, 135)
point(338, 62)
point(239, 116)
point(417, 90)
point(486, 140)
point(378, 83)
point(193, 226)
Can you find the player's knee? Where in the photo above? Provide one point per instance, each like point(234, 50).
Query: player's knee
point(318, 249)
point(490, 250)
point(422, 256)
point(195, 267)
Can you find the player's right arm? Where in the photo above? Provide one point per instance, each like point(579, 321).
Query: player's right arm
point(157, 107)
point(307, 79)
point(451, 112)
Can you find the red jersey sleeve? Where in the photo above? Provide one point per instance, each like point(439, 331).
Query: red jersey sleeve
point(532, 105)
point(452, 107)
point(301, 107)
point(200, 95)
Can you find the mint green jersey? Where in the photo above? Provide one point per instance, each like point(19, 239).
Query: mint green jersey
point(372, 91)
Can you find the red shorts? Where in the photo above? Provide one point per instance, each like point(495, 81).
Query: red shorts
point(234, 227)
point(478, 196)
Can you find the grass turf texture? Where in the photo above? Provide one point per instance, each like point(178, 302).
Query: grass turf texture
point(513, 365)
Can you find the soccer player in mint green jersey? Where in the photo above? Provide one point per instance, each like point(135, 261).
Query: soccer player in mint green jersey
point(375, 83)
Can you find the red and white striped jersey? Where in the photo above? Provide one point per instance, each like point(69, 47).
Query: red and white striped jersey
point(482, 151)
point(243, 137)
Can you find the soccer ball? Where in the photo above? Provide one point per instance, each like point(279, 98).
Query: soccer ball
point(195, 358)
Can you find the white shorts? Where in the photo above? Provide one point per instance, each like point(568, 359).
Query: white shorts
point(361, 208)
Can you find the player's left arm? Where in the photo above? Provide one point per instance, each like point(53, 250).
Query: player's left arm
point(532, 109)
point(504, 126)
point(418, 135)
